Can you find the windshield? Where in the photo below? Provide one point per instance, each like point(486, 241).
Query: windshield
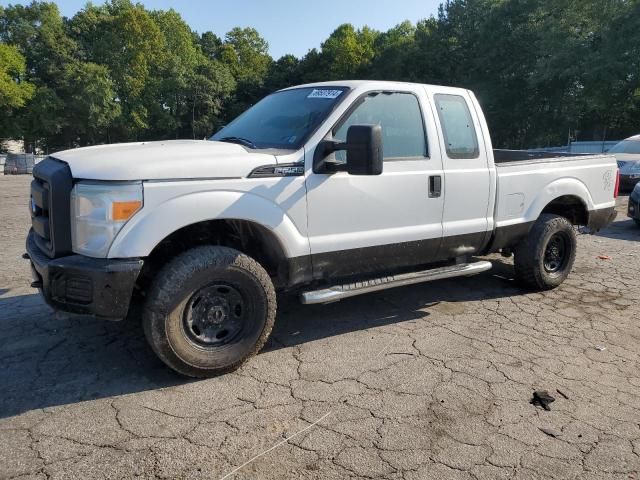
point(283, 119)
point(626, 146)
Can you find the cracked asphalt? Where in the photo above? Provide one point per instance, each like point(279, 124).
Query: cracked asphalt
point(430, 381)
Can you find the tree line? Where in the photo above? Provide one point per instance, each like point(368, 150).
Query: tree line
point(544, 70)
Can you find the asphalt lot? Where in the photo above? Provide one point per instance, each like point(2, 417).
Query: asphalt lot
point(430, 381)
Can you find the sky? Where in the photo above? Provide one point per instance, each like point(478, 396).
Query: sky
point(290, 26)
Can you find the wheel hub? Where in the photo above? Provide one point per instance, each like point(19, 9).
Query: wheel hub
point(555, 254)
point(218, 313)
point(214, 315)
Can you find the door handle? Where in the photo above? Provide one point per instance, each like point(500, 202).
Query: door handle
point(435, 186)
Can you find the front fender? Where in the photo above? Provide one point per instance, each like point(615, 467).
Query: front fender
point(161, 217)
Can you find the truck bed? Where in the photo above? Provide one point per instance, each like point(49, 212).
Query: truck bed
point(527, 181)
point(509, 156)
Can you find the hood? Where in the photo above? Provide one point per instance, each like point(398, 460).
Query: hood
point(172, 159)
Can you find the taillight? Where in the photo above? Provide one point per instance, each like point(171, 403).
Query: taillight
point(617, 189)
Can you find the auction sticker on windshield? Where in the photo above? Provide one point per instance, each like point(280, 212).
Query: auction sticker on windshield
point(330, 94)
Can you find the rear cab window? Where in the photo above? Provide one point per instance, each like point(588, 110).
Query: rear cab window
point(459, 133)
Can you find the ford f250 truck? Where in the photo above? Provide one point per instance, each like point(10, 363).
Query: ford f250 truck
point(327, 190)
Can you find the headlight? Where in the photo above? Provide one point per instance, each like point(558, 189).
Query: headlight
point(98, 213)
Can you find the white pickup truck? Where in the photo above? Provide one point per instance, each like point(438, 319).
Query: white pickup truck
point(327, 190)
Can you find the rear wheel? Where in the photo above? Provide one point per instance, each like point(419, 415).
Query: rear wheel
point(209, 310)
point(544, 259)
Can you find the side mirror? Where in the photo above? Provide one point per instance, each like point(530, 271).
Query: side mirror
point(364, 150)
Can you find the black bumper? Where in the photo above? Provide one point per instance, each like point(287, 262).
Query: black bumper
point(100, 287)
point(598, 219)
point(633, 210)
point(627, 183)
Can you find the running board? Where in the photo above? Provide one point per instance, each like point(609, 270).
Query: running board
point(338, 292)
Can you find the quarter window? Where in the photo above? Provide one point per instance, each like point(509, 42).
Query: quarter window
point(399, 115)
point(457, 126)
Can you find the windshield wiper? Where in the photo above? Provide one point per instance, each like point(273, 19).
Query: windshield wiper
point(242, 141)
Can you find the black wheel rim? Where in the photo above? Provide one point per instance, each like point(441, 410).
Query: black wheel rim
point(214, 315)
point(556, 255)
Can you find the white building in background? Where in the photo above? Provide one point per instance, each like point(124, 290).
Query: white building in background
point(12, 146)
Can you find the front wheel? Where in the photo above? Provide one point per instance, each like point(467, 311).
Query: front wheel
point(637, 222)
point(544, 259)
point(209, 310)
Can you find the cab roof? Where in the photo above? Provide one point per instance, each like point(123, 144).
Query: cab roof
point(363, 84)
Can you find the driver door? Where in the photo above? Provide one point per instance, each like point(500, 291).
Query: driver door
point(375, 224)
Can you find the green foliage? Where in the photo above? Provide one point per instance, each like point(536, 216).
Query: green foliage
point(90, 102)
point(393, 51)
point(210, 44)
point(38, 31)
point(543, 70)
point(14, 91)
point(347, 51)
point(209, 91)
point(285, 72)
point(247, 54)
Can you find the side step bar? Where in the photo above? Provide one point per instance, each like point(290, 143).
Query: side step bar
point(338, 292)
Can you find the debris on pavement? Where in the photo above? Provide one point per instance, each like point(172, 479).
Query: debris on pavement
point(604, 257)
point(600, 348)
point(550, 432)
point(562, 394)
point(542, 398)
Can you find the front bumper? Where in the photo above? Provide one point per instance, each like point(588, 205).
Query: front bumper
point(627, 183)
point(633, 210)
point(101, 287)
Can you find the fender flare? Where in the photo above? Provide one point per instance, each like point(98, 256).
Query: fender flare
point(562, 187)
point(156, 222)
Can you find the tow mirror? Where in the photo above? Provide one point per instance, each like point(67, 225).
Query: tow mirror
point(364, 152)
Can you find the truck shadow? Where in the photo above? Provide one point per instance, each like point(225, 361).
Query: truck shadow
point(49, 361)
point(622, 230)
point(298, 324)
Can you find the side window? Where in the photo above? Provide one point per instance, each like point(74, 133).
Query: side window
point(457, 126)
point(401, 120)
